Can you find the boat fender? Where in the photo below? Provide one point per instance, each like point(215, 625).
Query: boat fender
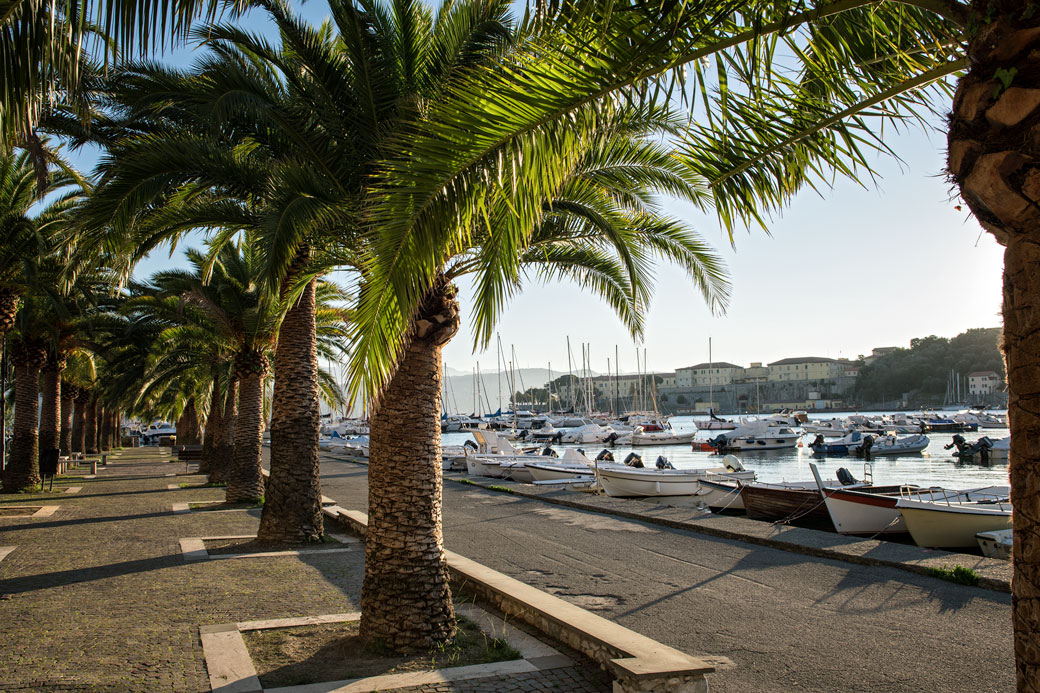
point(549, 452)
point(634, 460)
point(663, 463)
point(733, 463)
point(845, 477)
point(605, 456)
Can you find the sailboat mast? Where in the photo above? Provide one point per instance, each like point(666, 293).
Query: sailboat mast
point(711, 398)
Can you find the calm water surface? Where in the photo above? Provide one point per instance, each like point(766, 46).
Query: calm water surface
point(932, 467)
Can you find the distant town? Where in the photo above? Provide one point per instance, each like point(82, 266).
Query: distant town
point(966, 370)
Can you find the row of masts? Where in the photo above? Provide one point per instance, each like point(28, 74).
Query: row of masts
point(576, 394)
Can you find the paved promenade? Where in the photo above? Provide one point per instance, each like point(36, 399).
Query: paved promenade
point(774, 620)
point(96, 596)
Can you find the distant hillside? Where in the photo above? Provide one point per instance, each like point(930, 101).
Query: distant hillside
point(922, 372)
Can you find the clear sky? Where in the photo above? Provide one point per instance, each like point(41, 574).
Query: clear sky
point(840, 274)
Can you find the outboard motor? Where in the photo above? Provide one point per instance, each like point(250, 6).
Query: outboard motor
point(732, 463)
point(549, 452)
point(845, 477)
point(663, 463)
point(609, 440)
point(718, 442)
point(958, 442)
point(817, 442)
point(522, 435)
point(634, 460)
point(864, 448)
point(558, 438)
point(605, 456)
point(471, 445)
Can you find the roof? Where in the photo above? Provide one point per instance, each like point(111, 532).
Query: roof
point(802, 359)
point(713, 364)
point(981, 374)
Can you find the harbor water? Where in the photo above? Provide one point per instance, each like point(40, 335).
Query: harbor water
point(935, 466)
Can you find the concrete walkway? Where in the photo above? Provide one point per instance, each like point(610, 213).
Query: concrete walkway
point(773, 619)
point(97, 596)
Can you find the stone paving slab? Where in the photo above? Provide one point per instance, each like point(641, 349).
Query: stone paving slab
point(994, 574)
point(99, 598)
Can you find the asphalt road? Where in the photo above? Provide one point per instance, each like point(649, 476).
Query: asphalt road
point(785, 621)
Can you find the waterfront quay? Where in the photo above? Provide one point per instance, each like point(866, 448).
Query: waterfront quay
point(769, 619)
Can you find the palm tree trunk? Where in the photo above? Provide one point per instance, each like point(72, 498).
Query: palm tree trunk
point(50, 406)
point(245, 480)
point(188, 425)
point(90, 442)
point(68, 392)
point(292, 505)
point(23, 465)
point(224, 445)
point(405, 600)
point(994, 157)
point(212, 429)
point(104, 432)
point(79, 421)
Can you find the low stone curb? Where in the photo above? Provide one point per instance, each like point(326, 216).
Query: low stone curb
point(994, 574)
point(638, 662)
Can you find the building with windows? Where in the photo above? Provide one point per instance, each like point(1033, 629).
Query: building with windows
point(806, 368)
point(706, 374)
point(983, 382)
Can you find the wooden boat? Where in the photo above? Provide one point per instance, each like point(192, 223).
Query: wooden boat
point(799, 502)
point(941, 525)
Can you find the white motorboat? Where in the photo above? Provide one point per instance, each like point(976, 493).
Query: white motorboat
point(949, 525)
point(862, 513)
point(659, 434)
point(494, 456)
point(719, 495)
point(756, 435)
point(856, 443)
point(588, 432)
point(628, 483)
point(714, 423)
point(156, 431)
point(996, 544)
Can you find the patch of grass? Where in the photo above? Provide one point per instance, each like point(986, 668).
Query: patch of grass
point(496, 487)
point(215, 484)
point(329, 539)
point(468, 481)
point(958, 574)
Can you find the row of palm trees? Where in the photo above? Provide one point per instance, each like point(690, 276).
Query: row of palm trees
point(413, 147)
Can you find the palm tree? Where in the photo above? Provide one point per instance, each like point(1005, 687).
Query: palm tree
point(863, 63)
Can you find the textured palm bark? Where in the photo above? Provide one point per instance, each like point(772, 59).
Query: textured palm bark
point(245, 482)
point(90, 438)
point(104, 432)
point(994, 157)
point(8, 308)
point(211, 429)
point(68, 393)
point(292, 505)
point(224, 444)
point(22, 472)
point(188, 425)
point(79, 420)
point(406, 601)
point(50, 404)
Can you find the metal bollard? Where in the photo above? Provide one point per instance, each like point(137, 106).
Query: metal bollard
point(104, 460)
point(93, 466)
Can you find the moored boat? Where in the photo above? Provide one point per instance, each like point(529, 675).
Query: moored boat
point(942, 525)
point(628, 483)
point(756, 435)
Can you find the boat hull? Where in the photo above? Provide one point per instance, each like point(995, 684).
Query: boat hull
point(804, 506)
point(864, 514)
point(721, 497)
point(653, 483)
point(953, 526)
